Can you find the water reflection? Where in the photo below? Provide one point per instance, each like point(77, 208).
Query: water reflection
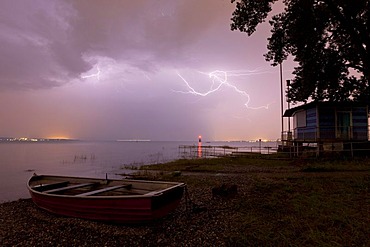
point(199, 149)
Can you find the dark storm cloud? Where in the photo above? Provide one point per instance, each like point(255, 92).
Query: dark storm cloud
point(46, 43)
point(36, 50)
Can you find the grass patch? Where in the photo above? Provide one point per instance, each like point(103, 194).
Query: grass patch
point(223, 164)
point(306, 212)
point(281, 202)
point(319, 169)
point(188, 165)
point(336, 165)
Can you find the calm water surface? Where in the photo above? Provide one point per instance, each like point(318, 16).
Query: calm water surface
point(18, 161)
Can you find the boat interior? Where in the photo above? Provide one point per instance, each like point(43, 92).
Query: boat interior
point(97, 187)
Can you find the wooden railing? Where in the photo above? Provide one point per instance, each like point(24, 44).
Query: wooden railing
point(208, 151)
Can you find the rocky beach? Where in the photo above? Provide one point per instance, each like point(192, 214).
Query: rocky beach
point(269, 204)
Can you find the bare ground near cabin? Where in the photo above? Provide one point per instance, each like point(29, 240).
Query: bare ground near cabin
point(279, 206)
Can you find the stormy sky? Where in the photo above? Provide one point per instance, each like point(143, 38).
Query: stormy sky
point(159, 70)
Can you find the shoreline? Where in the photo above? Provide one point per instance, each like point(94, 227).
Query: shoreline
point(277, 206)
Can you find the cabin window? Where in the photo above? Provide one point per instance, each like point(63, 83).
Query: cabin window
point(299, 119)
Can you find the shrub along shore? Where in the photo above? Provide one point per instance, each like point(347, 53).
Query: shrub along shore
point(240, 201)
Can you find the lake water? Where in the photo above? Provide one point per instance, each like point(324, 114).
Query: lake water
point(19, 160)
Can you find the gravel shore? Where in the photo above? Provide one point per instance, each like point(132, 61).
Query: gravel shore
point(271, 208)
point(204, 224)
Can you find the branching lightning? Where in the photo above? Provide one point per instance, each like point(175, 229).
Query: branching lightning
point(97, 75)
point(219, 79)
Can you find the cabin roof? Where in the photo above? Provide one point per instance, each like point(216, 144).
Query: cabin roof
point(291, 111)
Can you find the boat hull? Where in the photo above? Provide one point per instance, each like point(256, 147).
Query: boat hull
point(117, 209)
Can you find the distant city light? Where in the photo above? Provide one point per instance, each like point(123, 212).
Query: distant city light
point(57, 137)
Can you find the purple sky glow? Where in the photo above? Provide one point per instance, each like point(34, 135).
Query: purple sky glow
point(159, 70)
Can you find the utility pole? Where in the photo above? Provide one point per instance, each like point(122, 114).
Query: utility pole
point(288, 85)
point(282, 101)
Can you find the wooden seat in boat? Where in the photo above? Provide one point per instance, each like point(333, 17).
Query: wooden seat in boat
point(94, 192)
point(69, 188)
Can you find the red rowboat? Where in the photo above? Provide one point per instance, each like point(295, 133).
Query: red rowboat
point(119, 201)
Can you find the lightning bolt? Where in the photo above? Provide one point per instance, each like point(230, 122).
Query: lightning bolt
point(219, 78)
point(97, 75)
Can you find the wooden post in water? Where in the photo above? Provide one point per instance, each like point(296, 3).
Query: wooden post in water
point(260, 146)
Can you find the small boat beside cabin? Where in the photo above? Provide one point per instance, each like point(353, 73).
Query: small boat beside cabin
point(118, 201)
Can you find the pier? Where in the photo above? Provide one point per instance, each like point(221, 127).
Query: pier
point(209, 151)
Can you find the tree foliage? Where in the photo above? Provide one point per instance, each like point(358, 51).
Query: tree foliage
point(329, 40)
